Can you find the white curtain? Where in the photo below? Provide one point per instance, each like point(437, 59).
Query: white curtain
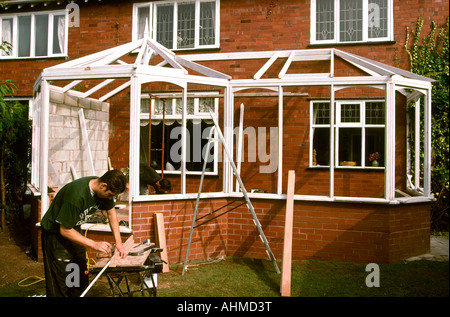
point(6, 33)
point(61, 33)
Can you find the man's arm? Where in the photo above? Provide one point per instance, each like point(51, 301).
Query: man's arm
point(114, 224)
point(78, 238)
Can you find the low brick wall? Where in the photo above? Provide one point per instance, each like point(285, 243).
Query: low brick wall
point(351, 232)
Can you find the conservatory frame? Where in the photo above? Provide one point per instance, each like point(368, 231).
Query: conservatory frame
point(108, 66)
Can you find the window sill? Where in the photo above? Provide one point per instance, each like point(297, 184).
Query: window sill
point(323, 45)
point(99, 227)
point(380, 168)
point(13, 58)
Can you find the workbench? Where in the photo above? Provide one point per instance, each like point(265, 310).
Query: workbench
point(120, 271)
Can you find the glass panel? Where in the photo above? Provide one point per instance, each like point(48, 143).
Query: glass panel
point(7, 33)
point(143, 20)
point(160, 104)
point(41, 34)
point(59, 30)
point(204, 104)
point(321, 113)
point(145, 105)
point(375, 113)
point(196, 142)
point(321, 147)
point(164, 25)
point(190, 106)
point(186, 25)
point(350, 20)
point(207, 23)
point(350, 113)
point(349, 146)
point(374, 146)
point(324, 20)
point(378, 19)
point(24, 35)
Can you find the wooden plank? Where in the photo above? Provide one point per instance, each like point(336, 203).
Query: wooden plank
point(116, 257)
point(160, 239)
point(102, 262)
point(287, 247)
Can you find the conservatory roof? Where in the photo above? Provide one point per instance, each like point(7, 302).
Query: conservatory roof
point(149, 59)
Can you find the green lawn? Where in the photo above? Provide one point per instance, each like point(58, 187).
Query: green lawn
point(245, 277)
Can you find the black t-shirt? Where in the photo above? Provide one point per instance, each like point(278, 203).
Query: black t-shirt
point(72, 204)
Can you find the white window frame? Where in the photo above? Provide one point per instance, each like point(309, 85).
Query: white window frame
point(153, 8)
point(196, 116)
point(338, 125)
point(365, 37)
point(15, 38)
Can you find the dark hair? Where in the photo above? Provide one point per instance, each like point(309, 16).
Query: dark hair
point(165, 185)
point(116, 181)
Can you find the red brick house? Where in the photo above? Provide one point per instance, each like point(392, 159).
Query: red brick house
point(323, 86)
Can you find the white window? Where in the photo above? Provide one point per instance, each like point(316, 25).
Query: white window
point(161, 141)
point(348, 21)
point(42, 34)
point(359, 133)
point(178, 25)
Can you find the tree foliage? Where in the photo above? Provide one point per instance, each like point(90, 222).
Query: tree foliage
point(15, 132)
point(429, 56)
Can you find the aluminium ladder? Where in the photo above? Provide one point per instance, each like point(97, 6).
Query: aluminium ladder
point(244, 192)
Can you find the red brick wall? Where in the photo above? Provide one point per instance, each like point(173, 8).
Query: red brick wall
point(325, 231)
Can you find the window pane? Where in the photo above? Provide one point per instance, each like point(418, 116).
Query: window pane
point(374, 143)
point(7, 33)
point(205, 104)
point(350, 20)
point(143, 20)
point(321, 113)
point(58, 34)
point(350, 113)
point(186, 25)
point(207, 23)
point(375, 113)
point(321, 146)
point(41, 35)
point(324, 20)
point(145, 105)
point(164, 25)
point(378, 19)
point(24, 35)
point(349, 146)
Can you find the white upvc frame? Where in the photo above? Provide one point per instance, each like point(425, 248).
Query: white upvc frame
point(15, 37)
point(365, 37)
point(152, 25)
point(88, 68)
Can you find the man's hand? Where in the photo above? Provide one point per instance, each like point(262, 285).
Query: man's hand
point(122, 251)
point(102, 246)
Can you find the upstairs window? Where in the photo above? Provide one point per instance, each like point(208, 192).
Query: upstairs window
point(178, 25)
point(349, 21)
point(42, 34)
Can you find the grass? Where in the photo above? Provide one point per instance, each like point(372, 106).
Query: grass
point(247, 277)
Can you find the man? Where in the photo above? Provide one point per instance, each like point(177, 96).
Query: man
point(148, 176)
point(62, 241)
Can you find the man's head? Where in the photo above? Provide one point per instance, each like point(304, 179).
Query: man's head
point(111, 184)
point(164, 186)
